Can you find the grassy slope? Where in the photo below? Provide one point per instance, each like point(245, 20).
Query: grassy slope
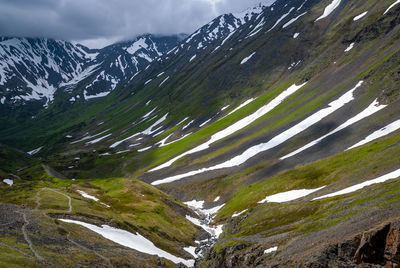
point(135, 206)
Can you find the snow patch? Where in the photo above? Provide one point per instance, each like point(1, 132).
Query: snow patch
point(165, 80)
point(289, 195)
point(35, 151)
point(370, 110)
point(391, 6)
point(240, 213)
point(99, 95)
point(98, 139)
point(362, 15)
point(293, 20)
point(224, 108)
point(350, 47)
point(280, 19)
point(244, 122)
point(329, 9)
point(144, 149)
point(192, 58)
point(9, 182)
point(378, 134)
point(247, 58)
point(270, 250)
point(130, 240)
point(277, 140)
point(205, 122)
point(393, 175)
point(88, 196)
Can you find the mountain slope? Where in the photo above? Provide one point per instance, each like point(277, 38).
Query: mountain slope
point(35, 71)
point(283, 130)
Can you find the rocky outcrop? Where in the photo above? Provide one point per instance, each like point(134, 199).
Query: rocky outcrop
point(376, 247)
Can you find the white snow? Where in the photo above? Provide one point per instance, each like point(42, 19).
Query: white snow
point(35, 151)
point(241, 106)
point(362, 15)
point(370, 110)
point(69, 137)
point(149, 113)
point(191, 250)
point(225, 107)
point(122, 152)
point(379, 133)
point(150, 131)
point(88, 196)
point(141, 43)
point(280, 19)
point(164, 142)
point(205, 122)
point(247, 58)
point(8, 181)
point(148, 81)
point(300, 7)
point(213, 210)
point(195, 204)
point(293, 20)
point(350, 47)
point(165, 80)
point(89, 137)
point(392, 175)
point(160, 74)
point(3, 99)
point(391, 6)
point(130, 240)
point(296, 35)
point(134, 145)
point(262, 147)
point(186, 118)
point(147, 103)
point(244, 122)
point(144, 149)
point(187, 125)
point(115, 144)
point(289, 195)
point(329, 9)
point(256, 29)
point(270, 250)
point(192, 58)
point(240, 213)
point(98, 139)
point(217, 199)
point(99, 95)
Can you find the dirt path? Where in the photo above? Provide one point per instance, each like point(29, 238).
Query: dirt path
point(54, 191)
point(26, 236)
point(107, 260)
point(16, 249)
point(53, 173)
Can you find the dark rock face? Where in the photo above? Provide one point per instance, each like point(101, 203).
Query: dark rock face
point(377, 247)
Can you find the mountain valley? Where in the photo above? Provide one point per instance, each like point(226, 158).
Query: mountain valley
point(266, 138)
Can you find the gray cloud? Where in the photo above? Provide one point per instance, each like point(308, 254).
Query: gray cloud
point(105, 21)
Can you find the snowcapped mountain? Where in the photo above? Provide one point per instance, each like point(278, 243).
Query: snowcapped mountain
point(33, 69)
point(221, 27)
point(123, 60)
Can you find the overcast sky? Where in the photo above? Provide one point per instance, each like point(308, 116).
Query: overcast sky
point(99, 22)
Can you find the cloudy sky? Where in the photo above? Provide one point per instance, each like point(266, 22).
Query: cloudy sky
point(99, 22)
